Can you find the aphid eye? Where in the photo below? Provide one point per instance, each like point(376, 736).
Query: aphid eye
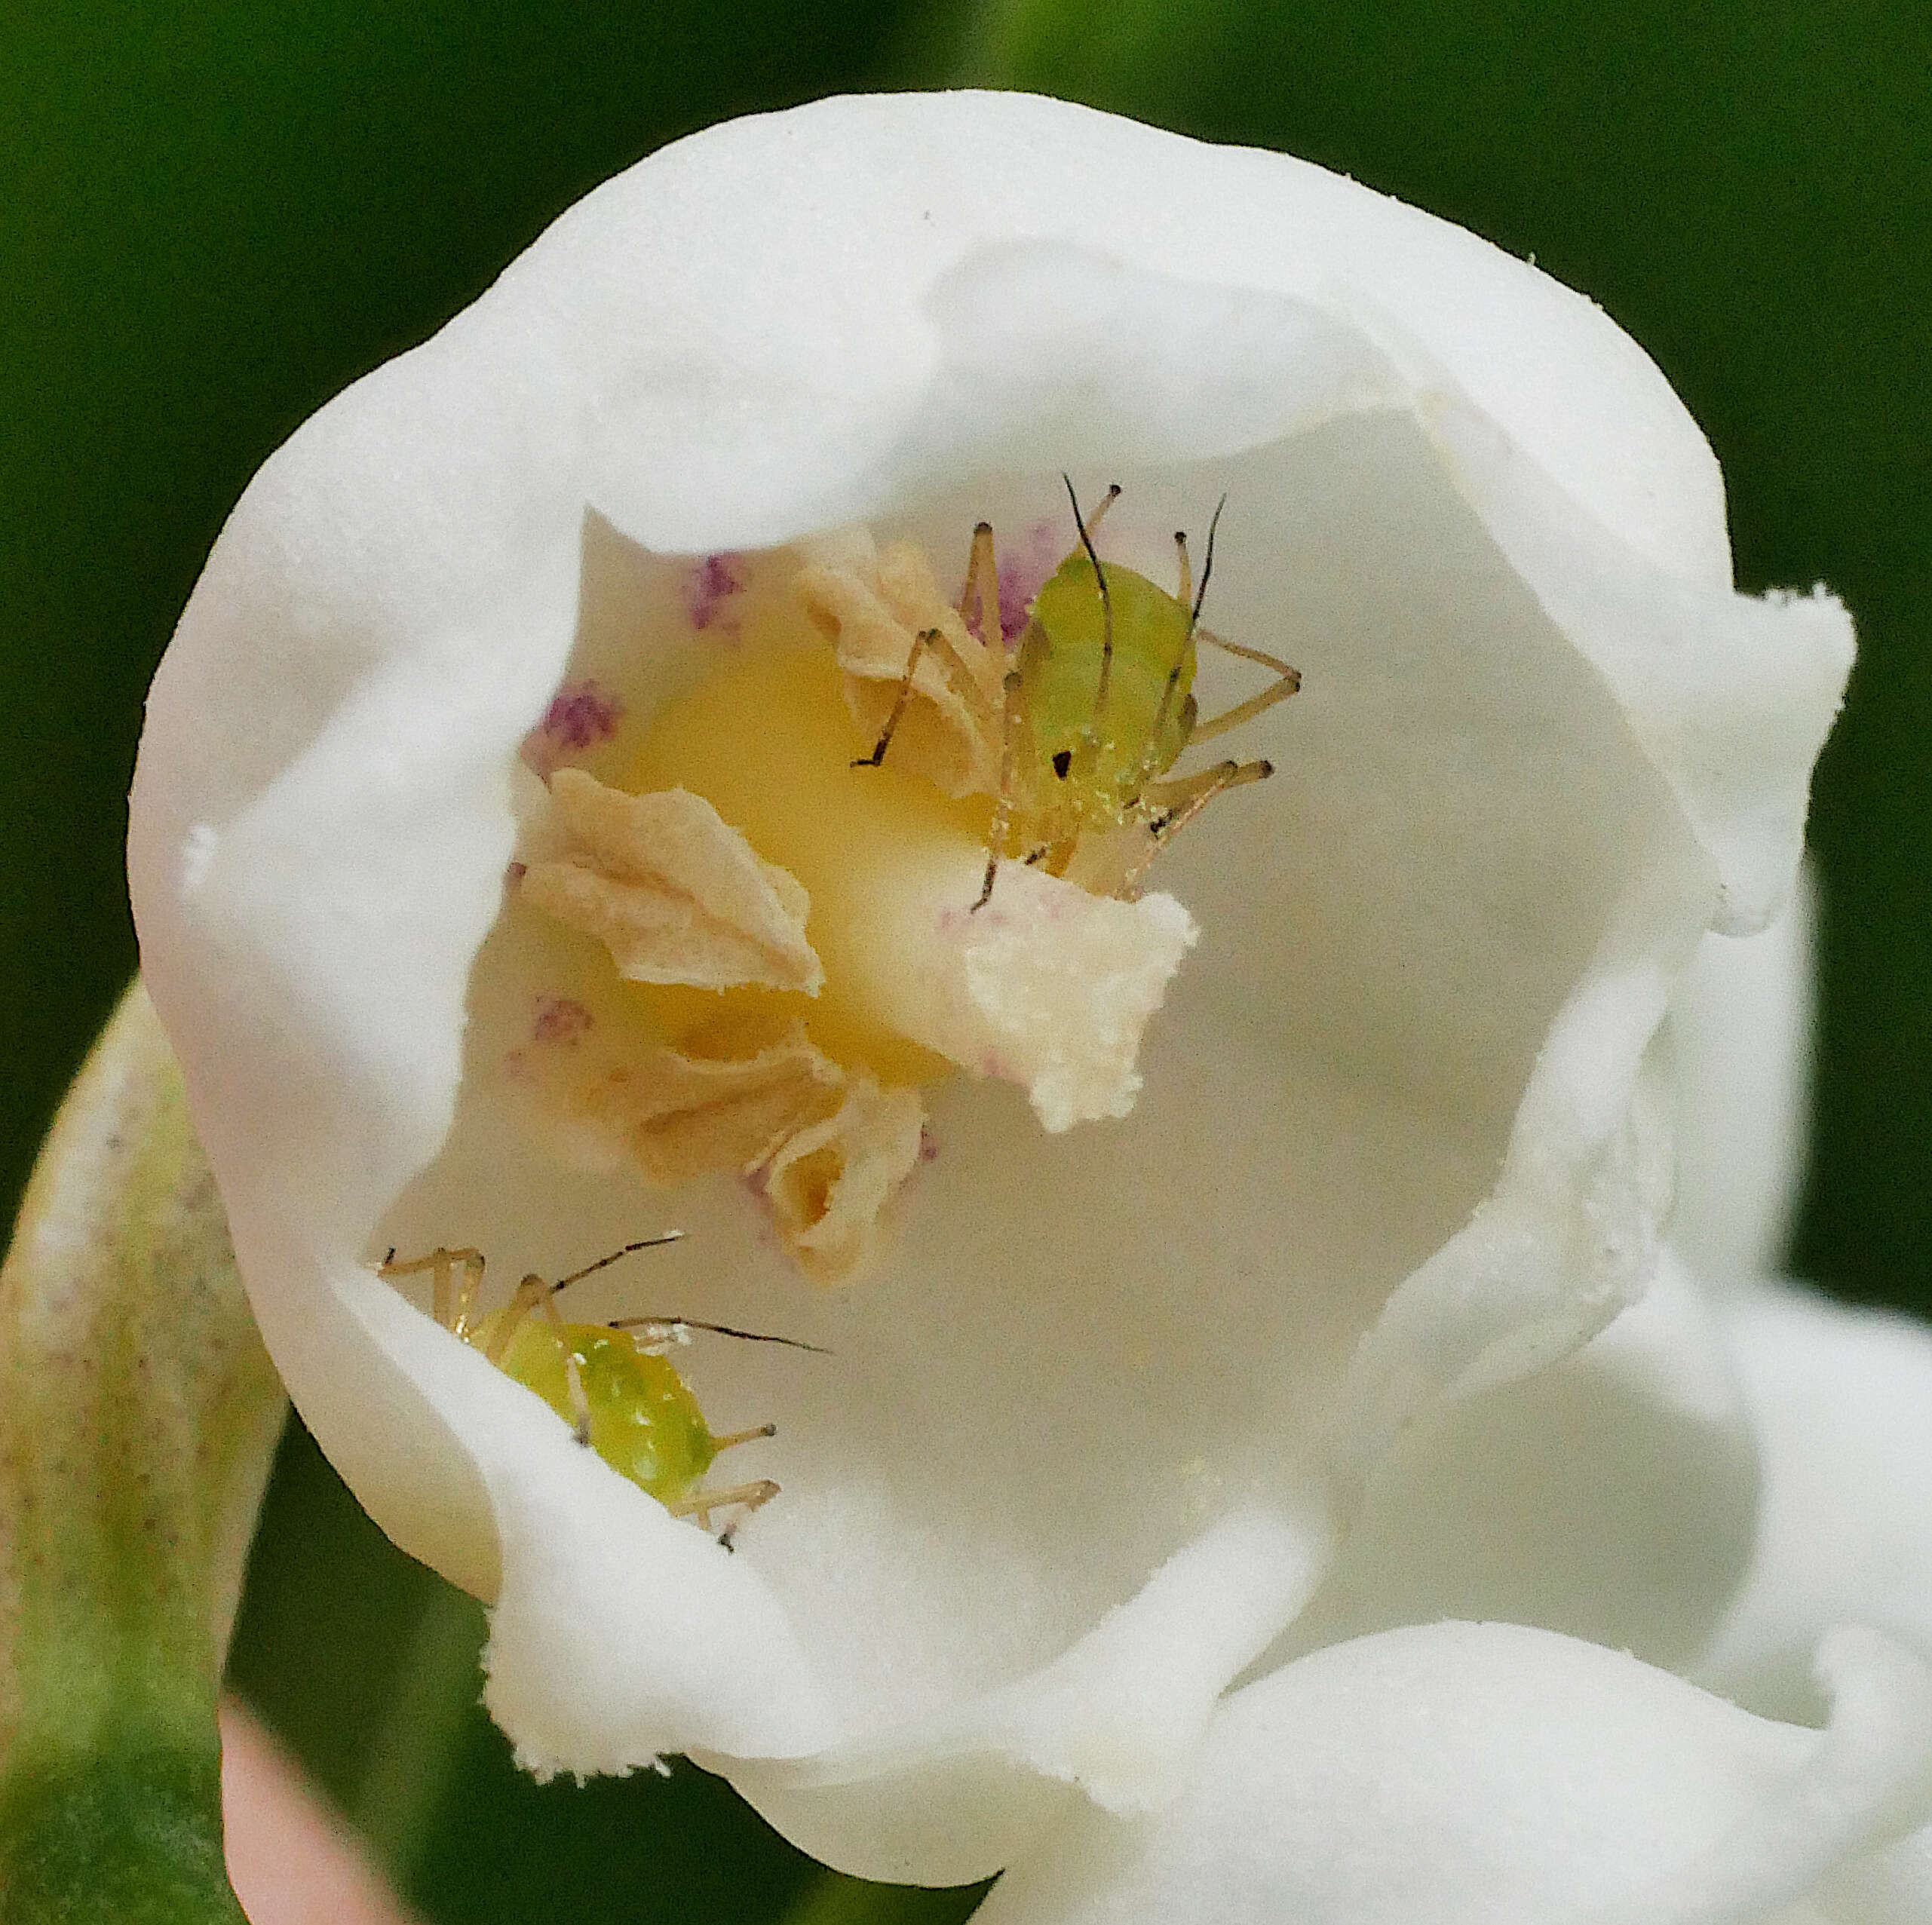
point(1063, 762)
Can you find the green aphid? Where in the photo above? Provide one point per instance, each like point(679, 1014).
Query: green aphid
point(1100, 706)
point(641, 1417)
point(611, 1383)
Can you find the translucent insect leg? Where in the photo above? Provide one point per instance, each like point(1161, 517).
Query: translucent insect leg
point(1149, 767)
point(921, 642)
point(450, 1310)
point(1185, 591)
point(1171, 806)
point(701, 1504)
point(744, 1436)
point(982, 590)
point(527, 1295)
point(1003, 808)
point(1290, 680)
point(536, 1293)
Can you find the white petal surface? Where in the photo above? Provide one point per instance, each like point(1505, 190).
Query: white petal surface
point(1840, 1400)
point(1741, 1026)
point(1611, 1496)
point(1889, 1887)
point(1397, 1139)
point(1461, 1774)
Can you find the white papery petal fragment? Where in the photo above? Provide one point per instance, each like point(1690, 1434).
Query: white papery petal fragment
point(874, 607)
point(674, 893)
point(827, 1185)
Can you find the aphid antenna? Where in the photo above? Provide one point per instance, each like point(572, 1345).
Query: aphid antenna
point(604, 1263)
point(1207, 565)
point(671, 1325)
point(1106, 599)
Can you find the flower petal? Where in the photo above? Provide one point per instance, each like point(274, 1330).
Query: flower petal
point(1611, 1496)
point(1462, 1773)
point(1741, 1030)
point(1841, 1402)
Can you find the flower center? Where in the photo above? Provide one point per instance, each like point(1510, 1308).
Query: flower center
point(769, 742)
point(874, 842)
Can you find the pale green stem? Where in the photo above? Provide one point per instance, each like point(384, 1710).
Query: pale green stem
point(138, 1416)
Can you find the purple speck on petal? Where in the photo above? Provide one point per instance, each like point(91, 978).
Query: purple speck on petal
point(515, 873)
point(713, 581)
point(580, 716)
point(928, 1147)
point(1023, 570)
point(560, 1019)
point(580, 713)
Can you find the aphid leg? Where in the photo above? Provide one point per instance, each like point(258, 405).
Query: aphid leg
point(573, 1374)
point(1051, 858)
point(981, 593)
point(1003, 808)
point(744, 1436)
point(921, 642)
point(535, 1293)
point(1290, 680)
point(442, 1265)
point(1185, 593)
point(532, 1291)
point(1150, 755)
point(1169, 807)
point(701, 1504)
point(469, 1291)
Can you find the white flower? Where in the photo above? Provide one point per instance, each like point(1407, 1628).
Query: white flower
point(1086, 1435)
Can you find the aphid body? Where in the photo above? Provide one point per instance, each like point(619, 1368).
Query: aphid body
point(1083, 766)
point(611, 1383)
point(644, 1420)
point(1098, 705)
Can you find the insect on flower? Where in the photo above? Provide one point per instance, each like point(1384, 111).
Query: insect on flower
point(611, 1382)
point(1098, 705)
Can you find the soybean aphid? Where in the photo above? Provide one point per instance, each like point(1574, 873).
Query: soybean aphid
point(1099, 705)
point(611, 1382)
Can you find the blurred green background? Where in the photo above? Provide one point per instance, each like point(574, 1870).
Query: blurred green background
point(214, 216)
